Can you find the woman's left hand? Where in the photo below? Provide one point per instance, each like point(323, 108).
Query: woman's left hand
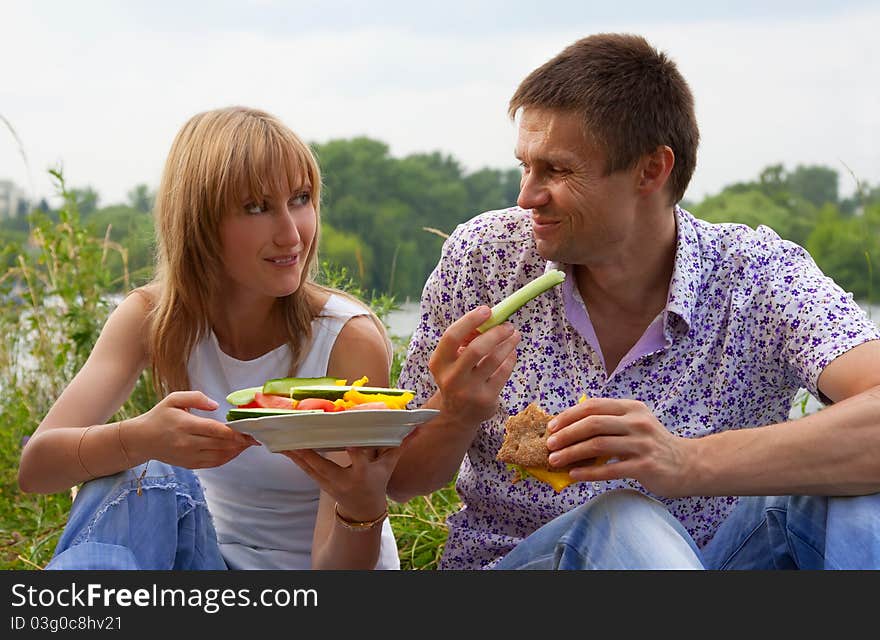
point(359, 487)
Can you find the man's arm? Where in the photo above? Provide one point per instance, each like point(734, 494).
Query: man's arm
point(832, 452)
point(469, 370)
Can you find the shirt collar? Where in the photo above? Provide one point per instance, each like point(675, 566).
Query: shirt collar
point(686, 273)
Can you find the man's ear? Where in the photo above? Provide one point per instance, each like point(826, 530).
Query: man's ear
point(654, 170)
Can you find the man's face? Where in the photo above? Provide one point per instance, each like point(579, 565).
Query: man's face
point(579, 215)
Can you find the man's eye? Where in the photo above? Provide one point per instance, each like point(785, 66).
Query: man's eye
point(253, 207)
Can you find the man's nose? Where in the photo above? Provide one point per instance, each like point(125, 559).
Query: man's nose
point(533, 192)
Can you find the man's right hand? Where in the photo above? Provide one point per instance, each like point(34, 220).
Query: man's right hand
point(470, 368)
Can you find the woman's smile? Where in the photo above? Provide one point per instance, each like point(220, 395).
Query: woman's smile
point(284, 260)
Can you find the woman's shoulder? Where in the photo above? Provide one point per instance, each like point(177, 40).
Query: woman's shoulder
point(361, 348)
point(337, 304)
point(146, 296)
point(127, 326)
point(134, 310)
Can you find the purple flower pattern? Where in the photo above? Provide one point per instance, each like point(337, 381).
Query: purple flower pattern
point(749, 320)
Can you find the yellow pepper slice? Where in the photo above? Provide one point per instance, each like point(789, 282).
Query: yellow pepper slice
point(392, 402)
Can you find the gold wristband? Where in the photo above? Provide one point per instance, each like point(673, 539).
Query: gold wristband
point(122, 444)
point(356, 525)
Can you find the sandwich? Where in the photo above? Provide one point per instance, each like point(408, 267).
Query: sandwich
point(525, 449)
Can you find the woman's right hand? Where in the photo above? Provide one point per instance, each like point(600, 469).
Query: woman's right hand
point(170, 433)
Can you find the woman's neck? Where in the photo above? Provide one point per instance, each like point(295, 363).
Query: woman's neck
point(246, 332)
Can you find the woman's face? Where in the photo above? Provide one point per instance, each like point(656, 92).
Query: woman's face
point(266, 243)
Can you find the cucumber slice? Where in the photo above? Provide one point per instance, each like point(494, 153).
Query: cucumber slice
point(335, 391)
point(282, 386)
point(242, 396)
point(241, 414)
point(504, 309)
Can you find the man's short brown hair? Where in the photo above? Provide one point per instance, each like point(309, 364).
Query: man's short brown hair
point(631, 97)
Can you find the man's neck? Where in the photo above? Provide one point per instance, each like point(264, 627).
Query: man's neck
point(624, 296)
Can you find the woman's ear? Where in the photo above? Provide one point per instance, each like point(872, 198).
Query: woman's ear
point(654, 170)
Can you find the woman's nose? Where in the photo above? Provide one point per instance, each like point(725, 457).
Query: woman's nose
point(287, 233)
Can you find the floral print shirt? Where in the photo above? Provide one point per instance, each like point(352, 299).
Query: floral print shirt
point(750, 319)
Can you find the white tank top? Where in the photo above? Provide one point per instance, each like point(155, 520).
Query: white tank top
point(263, 505)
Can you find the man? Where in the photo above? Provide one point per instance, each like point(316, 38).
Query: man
point(689, 339)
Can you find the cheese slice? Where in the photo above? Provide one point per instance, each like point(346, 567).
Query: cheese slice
point(556, 479)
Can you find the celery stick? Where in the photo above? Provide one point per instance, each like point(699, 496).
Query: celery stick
point(504, 309)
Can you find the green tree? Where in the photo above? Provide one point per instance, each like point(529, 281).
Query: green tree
point(129, 228)
point(847, 249)
point(141, 198)
point(751, 208)
point(817, 185)
point(86, 200)
point(489, 189)
point(346, 250)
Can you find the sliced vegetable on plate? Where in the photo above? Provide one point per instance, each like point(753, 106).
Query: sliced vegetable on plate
point(293, 395)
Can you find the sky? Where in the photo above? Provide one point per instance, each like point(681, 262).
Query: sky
point(100, 88)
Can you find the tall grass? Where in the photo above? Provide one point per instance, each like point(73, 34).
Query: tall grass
point(55, 299)
point(53, 303)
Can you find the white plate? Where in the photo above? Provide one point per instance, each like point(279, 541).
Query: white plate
point(334, 431)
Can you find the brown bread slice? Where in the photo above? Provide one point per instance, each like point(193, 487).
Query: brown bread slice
point(525, 439)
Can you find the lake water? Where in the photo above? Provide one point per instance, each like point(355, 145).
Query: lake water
point(403, 322)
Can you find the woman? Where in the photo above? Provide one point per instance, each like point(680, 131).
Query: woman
point(233, 303)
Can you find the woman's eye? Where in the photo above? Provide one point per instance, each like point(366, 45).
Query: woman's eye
point(253, 207)
point(301, 199)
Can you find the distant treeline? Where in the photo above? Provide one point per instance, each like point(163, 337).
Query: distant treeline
point(384, 218)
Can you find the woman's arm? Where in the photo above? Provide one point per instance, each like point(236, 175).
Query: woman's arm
point(61, 453)
point(73, 443)
point(356, 480)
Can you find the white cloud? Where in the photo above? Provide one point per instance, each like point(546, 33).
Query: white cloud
point(786, 91)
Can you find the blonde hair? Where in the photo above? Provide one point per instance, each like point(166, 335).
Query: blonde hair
point(215, 156)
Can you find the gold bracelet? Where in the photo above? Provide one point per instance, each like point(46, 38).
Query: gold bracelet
point(79, 453)
point(358, 525)
point(121, 444)
point(138, 479)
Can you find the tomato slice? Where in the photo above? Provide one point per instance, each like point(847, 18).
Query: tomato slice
point(316, 403)
point(367, 406)
point(267, 401)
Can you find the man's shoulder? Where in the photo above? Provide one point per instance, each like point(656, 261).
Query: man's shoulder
point(743, 246)
point(499, 225)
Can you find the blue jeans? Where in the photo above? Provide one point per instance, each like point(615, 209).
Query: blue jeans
point(623, 529)
point(167, 527)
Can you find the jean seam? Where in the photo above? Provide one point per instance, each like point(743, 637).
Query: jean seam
point(792, 534)
point(191, 503)
point(573, 549)
point(745, 541)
